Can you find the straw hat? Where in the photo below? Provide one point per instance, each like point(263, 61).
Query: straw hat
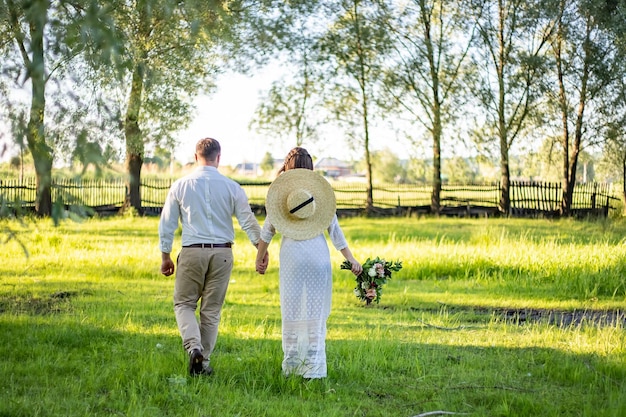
point(300, 204)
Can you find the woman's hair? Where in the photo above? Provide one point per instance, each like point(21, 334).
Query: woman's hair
point(297, 158)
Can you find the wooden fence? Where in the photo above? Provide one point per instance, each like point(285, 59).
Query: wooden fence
point(528, 199)
point(544, 199)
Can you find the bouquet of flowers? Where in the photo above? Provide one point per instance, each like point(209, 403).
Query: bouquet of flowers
point(375, 273)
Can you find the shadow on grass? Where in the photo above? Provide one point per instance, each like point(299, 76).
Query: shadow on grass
point(58, 365)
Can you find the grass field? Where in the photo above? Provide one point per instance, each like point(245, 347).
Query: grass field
point(489, 317)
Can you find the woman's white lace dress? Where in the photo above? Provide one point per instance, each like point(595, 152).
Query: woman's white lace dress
point(305, 298)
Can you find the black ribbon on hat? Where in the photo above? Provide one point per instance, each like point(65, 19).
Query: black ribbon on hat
point(293, 210)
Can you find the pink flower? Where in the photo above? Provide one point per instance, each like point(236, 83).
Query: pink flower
point(380, 269)
point(371, 293)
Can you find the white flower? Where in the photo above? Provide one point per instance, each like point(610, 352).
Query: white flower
point(372, 272)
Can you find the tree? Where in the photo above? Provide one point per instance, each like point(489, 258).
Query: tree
point(174, 50)
point(613, 158)
point(287, 109)
point(539, 164)
point(509, 58)
point(459, 170)
point(431, 42)
point(418, 171)
point(161, 157)
point(267, 163)
point(89, 153)
point(39, 41)
point(170, 54)
point(354, 48)
point(586, 63)
point(388, 167)
point(291, 107)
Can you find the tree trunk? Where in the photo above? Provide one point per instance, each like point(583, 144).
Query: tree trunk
point(133, 182)
point(369, 205)
point(35, 133)
point(363, 79)
point(505, 180)
point(624, 184)
point(566, 199)
point(134, 143)
point(42, 157)
point(571, 162)
point(435, 198)
point(505, 176)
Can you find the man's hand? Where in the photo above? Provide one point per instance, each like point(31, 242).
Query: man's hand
point(167, 265)
point(261, 264)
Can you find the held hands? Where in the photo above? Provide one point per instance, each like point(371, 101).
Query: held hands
point(262, 262)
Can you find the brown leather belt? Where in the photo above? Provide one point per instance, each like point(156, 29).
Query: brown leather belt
point(209, 245)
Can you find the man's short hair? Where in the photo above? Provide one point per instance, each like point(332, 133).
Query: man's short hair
point(208, 148)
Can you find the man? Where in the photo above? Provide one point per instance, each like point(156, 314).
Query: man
point(205, 202)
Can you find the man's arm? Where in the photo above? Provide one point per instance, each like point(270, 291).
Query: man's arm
point(246, 218)
point(167, 226)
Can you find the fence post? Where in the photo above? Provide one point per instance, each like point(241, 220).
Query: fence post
point(593, 196)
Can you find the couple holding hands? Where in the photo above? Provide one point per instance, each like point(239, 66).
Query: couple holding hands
point(300, 205)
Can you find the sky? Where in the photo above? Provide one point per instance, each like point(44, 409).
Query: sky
point(226, 114)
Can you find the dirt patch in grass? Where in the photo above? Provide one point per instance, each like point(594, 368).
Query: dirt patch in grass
point(561, 318)
point(56, 303)
point(521, 316)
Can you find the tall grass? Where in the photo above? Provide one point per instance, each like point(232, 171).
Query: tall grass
point(87, 325)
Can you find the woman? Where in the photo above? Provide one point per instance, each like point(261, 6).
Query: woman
point(305, 273)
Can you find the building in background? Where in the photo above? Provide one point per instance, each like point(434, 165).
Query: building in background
point(334, 168)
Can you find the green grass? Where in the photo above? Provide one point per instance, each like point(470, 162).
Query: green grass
point(87, 326)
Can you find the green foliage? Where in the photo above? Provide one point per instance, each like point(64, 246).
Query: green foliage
point(49, 109)
point(133, 68)
point(388, 168)
point(90, 296)
point(267, 163)
point(287, 109)
point(458, 170)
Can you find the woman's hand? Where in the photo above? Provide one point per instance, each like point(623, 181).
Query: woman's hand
point(262, 262)
point(357, 268)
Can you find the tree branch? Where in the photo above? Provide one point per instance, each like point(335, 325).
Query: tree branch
point(17, 33)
